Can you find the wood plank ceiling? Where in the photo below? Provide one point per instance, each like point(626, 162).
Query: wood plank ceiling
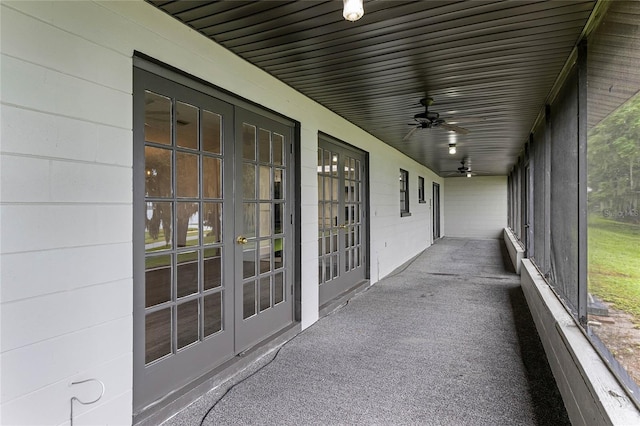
point(488, 65)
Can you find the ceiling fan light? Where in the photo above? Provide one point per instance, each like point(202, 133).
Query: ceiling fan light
point(452, 148)
point(353, 10)
point(468, 174)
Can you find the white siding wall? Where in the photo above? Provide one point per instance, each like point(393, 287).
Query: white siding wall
point(66, 195)
point(475, 207)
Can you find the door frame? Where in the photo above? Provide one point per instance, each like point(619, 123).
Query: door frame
point(436, 226)
point(365, 205)
point(142, 62)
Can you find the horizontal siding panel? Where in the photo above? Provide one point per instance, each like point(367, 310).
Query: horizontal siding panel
point(63, 181)
point(37, 42)
point(36, 366)
point(57, 314)
point(49, 136)
point(35, 87)
point(56, 226)
point(53, 400)
point(63, 270)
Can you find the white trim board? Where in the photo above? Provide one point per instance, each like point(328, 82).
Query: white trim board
point(591, 393)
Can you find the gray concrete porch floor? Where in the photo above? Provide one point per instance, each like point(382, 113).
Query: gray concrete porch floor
point(446, 340)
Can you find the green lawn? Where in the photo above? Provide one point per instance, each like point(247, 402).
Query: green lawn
point(614, 264)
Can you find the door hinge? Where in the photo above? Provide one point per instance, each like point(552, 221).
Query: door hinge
point(291, 148)
point(291, 219)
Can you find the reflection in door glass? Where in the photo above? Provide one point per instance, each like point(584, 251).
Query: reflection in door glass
point(248, 299)
point(158, 233)
point(157, 280)
point(278, 145)
point(212, 313)
point(187, 274)
point(157, 334)
point(265, 182)
point(212, 273)
point(249, 259)
point(248, 181)
point(186, 126)
point(157, 119)
point(278, 293)
point(265, 256)
point(211, 177)
point(265, 293)
point(264, 146)
point(211, 132)
point(187, 323)
point(187, 172)
point(248, 142)
point(250, 219)
point(212, 223)
point(265, 219)
point(187, 226)
point(157, 172)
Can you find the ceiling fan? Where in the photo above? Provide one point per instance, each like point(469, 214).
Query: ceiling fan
point(463, 170)
point(429, 120)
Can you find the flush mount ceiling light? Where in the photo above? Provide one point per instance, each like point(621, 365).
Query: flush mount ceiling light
point(452, 148)
point(353, 10)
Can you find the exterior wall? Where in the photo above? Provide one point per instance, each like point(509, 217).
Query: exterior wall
point(66, 195)
point(475, 207)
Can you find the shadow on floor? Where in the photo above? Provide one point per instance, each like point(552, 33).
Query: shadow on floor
point(547, 401)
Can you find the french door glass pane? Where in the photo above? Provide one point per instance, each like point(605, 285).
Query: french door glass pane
point(157, 280)
point(248, 142)
point(159, 220)
point(278, 288)
point(157, 334)
point(248, 299)
point(265, 293)
point(265, 256)
point(265, 183)
point(250, 219)
point(211, 177)
point(187, 171)
point(157, 172)
point(249, 181)
point(186, 126)
point(187, 224)
point(187, 323)
point(277, 145)
point(264, 146)
point(211, 132)
point(212, 223)
point(278, 253)
point(212, 313)
point(187, 274)
point(157, 119)
point(249, 259)
point(265, 219)
point(212, 272)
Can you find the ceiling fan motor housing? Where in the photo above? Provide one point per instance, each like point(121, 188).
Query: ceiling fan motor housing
point(427, 115)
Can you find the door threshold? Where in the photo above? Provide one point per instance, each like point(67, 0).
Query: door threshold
point(180, 399)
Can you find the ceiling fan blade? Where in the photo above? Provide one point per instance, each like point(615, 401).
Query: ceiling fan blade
point(411, 132)
point(453, 128)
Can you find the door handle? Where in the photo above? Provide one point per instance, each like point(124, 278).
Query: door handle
point(241, 240)
point(343, 226)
